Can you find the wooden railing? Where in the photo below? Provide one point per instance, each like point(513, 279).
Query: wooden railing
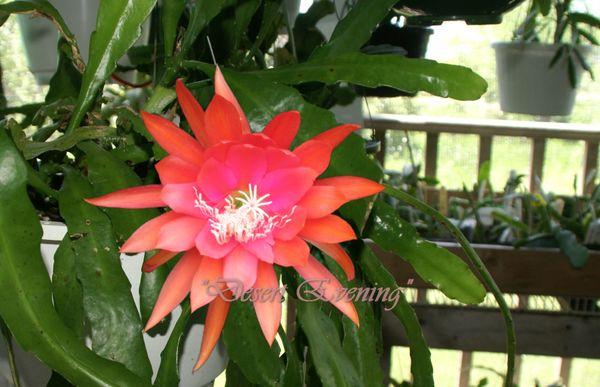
point(537, 132)
point(464, 328)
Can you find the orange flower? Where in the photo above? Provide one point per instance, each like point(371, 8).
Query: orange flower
point(239, 203)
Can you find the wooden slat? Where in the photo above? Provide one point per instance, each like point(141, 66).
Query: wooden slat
point(466, 362)
point(380, 156)
point(591, 165)
point(485, 150)
point(522, 271)
point(565, 369)
point(431, 154)
point(484, 127)
point(482, 329)
point(538, 150)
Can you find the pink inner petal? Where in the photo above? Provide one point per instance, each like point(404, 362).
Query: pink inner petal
point(216, 180)
point(239, 269)
point(248, 163)
point(181, 198)
point(208, 245)
point(180, 234)
point(293, 227)
point(261, 248)
point(280, 159)
point(146, 236)
point(286, 186)
point(204, 285)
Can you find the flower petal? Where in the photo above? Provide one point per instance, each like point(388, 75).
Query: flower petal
point(322, 200)
point(213, 325)
point(328, 229)
point(280, 159)
point(267, 301)
point(353, 187)
point(222, 122)
point(283, 128)
point(181, 198)
point(145, 196)
point(286, 186)
point(216, 180)
point(208, 245)
point(257, 139)
point(146, 236)
point(335, 136)
point(162, 256)
point(176, 287)
point(180, 234)
point(327, 285)
point(203, 292)
point(293, 227)
point(239, 269)
point(248, 163)
point(315, 155)
point(172, 139)
point(193, 112)
point(172, 170)
point(222, 89)
point(338, 254)
point(294, 252)
point(261, 249)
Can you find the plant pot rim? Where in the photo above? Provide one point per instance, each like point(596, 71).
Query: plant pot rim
point(536, 46)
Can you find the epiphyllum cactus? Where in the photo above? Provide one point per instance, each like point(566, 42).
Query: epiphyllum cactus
point(239, 203)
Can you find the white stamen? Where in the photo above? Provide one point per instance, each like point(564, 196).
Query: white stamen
point(246, 221)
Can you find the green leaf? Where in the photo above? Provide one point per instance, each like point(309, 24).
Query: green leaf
point(25, 289)
point(421, 368)
point(434, 264)
point(567, 241)
point(355, 28)
point(234, 377)
point(34, 149)
point(107, 298)
point(118, 26)
point(585, 18)
point(45, 9)
point(248, 348)
point(150, 286)
point(66, 289)
point(325, 349)
point(66, 82)
point(406, 74)
point(484, 172)
point(244, 11)
point(168, 372)
point(262, 100)
point(171, 12)
point(293, 375)
point(360, 344)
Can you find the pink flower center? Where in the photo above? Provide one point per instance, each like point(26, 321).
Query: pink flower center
point(242, 217)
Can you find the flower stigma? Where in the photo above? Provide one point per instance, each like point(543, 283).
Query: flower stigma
point(242, 217)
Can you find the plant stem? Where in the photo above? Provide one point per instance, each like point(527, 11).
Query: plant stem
point(479, 266)
point(11, 355)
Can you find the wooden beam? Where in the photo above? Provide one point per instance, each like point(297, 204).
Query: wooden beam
point(565, 369)
point(523, 271)
point(431, 154)
point(590, 166)
point(538, 151)
point(485, 150)
point(482, 329)
point(466, 362)
point(484, 127)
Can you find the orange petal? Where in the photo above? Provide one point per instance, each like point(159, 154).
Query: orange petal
point(215, 320)
point(267, 301)
point(176, 287)
point(173, 170)
point(338, 254)
point(335, 136)
point(293, 252)
point(328, 229)
point(283, 128)
point(209, 271)
point(315, 155)
point(222, 89)
point(146, 236)
point(352, 187)
point(158, 259)
point(321, 201)
point(145, 196)
point(193, 112)
point(328, 286)
point(221, 120)
point(172, 139)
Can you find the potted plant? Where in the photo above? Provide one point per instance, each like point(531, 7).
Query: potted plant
point(539, 71)
point(223, 171)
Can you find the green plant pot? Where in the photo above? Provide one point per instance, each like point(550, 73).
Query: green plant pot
point(472, 11)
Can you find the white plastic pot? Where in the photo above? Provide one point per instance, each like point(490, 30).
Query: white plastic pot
point(528, 84)
point(40, 35)
point(34, 374)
